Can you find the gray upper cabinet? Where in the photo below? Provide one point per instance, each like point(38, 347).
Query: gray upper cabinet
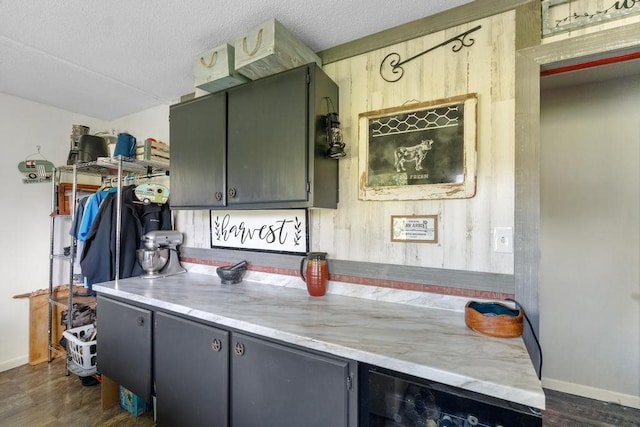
point(198, 128)
point(267, 153)
point(266, 148)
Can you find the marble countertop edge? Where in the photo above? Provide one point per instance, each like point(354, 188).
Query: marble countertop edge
point(482, 386)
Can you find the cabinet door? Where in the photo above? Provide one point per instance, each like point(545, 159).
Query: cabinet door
point(191, 373)
point(274, 385)
point(198, 138)
point(268, 140)
point(124, 345)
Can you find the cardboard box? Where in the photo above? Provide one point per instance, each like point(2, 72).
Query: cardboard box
point(131, 403)
point(269, 49)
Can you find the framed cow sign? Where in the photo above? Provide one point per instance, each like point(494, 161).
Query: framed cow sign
point(425, 150)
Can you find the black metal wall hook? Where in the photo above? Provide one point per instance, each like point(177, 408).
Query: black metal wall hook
point(391, 67)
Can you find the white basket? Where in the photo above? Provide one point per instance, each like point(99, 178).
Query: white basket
point(80, 352)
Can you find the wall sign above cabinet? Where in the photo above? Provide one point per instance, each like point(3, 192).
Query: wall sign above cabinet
point(283, 231)
point(564, 15)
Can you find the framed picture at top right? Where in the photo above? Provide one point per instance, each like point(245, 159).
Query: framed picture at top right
point(420, 151)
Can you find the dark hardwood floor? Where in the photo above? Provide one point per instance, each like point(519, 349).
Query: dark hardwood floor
point(43, 396)
point(569, 410)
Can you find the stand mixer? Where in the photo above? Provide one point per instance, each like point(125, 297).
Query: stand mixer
point(159, 257)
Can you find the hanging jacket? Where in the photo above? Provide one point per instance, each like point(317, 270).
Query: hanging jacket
point(91, 208)
point(98, 258)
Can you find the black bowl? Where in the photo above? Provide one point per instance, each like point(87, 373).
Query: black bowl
point(229, 276)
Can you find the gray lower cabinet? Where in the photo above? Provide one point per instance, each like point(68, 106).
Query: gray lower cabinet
point(125, 345)
point(205, 375)
point(191, 373)
point(276, 385)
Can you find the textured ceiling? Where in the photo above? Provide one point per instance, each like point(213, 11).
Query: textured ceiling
point(108, 59)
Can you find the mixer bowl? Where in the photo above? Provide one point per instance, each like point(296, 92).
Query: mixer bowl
point(152, 260)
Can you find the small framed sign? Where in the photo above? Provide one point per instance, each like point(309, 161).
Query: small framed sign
point(283, 231)
point(414, 228)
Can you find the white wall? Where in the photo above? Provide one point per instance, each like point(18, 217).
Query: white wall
point(24, 228)
point(590, 240)
point(151, 123)
point(24, 249)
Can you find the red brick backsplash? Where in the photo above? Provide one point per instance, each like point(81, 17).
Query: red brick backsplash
point(383, 283)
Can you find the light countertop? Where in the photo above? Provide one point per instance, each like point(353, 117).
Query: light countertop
point(422, 341)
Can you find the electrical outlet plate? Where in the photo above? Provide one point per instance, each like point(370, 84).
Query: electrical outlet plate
point(503, 239)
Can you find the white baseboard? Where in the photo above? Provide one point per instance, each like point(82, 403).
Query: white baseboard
point(5, 365)
point(592, 392)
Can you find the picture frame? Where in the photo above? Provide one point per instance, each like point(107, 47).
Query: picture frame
point(414, 228)
point(421, 151)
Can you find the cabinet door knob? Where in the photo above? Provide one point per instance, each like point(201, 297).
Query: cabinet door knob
point(218, 196)
point(232, 193)
point(140, 321)
point(216, 345)
point(238, 349)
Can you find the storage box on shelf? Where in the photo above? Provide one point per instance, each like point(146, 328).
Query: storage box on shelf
point(269, 49)
point(154, 150)
point(215, 70)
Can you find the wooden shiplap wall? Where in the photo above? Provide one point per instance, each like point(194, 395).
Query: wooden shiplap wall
point(359, 231)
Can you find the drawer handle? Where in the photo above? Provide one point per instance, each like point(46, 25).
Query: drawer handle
point(216, 345)
point(238, 349)
point(257, 46)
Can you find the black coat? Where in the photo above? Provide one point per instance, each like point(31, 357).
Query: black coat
point(98, 257)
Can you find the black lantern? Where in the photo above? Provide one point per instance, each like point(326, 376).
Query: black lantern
point(334, 137)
